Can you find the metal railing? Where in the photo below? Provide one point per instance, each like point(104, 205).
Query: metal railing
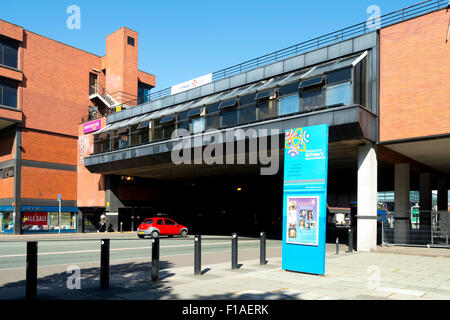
point(429, 228)
point(316, 43)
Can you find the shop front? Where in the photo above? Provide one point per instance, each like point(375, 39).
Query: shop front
point(40, 219)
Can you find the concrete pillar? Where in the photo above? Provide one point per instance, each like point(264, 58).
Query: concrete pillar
point(113, 203)
point(402, 203)
point(367, 198)
point(80, 222)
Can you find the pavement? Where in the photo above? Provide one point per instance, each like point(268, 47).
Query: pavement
point(390, 273)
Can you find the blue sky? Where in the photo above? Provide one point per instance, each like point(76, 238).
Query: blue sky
point(181, 40)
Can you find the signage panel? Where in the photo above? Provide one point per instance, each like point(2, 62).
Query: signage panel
point(304, 199)
point(187, 85)
point(92, 126)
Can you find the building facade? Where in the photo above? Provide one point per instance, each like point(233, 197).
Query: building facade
point(47, 87)
point(383, 92)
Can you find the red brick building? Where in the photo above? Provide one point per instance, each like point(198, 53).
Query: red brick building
point(47, 87)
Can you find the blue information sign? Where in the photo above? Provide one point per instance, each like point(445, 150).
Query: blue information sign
point(304, 199)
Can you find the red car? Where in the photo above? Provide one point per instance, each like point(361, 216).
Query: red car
point(161, 227)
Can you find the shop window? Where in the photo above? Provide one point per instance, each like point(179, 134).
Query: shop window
point(9, 50)
point(338, 94)
point(8, 222)
point(8, 93)
point(289, 104)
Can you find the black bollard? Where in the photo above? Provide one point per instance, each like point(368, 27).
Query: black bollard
point(31, 272)
point(337, 245)
point(155, 259)
point(234, 251)
point(350, 240)
point(198, 255)
point(104, 264)
point(262, 249)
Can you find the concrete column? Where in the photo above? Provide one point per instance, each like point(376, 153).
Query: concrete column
point(80, 222)
point(402, 203)
point(367, 198)
point(113, 203)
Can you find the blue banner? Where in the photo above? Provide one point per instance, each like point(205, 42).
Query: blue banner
point(304, 199)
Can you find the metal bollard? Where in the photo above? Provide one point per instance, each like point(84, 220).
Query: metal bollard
point(155, 259)
point(198, 254)
point(234, 251)
point(262, 249)
point(350, 240)
point(31, 272)
point(104, 264)
point(337, 245)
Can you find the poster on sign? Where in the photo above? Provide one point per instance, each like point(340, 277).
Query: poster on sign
point(302, 226)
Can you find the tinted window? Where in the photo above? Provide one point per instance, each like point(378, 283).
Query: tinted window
point(148, 221)
point(130, 41)
point(339, 93)
point(289, 104)
point(8, 93)
point(289, 88)
point(8, 52)
point(169, 222)
point(229, 118)
point(160, 221)
point(247, 114)
point(339, 76)
point(247, 99)
point(212, 108)
point(312, 98)
point(267, 109)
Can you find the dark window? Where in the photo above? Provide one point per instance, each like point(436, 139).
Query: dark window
point(93, 89)
point(196, 112)
point(9, 52)
point(8, 172)
point(212, 121)
point(8, 93)
point(143, 124)
point(339, 76)
point(212, 108)
point(228, 103)
point(160, 221)
point(130, 41)
point(312, 98)
point(311, 82)
point(247, 113)
point(229, 117)
point(360, 88)
point(169, 222)
point(289, 89)
point(247, 99)
point(143, 92)
point(265, 94)
point(168, 119)
point(267, 109)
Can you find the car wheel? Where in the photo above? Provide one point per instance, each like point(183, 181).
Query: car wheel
point(154, 234)
point(183, 233)
point(141, 236)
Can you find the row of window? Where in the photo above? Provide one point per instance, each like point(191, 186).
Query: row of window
point(8, 92)
point(331, 90)
point(9, 52)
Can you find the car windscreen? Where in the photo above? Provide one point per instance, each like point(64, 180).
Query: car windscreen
point(148, 221)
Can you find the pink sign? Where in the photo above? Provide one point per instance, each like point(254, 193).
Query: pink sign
point(92, 126)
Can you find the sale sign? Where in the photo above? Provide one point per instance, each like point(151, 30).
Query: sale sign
point(35, 218)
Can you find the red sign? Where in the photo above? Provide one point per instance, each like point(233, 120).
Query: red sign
point(35, 218)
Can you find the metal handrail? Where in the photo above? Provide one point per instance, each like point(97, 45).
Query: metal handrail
point(315, 43)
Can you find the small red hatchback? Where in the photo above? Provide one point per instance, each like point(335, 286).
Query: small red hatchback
point(158, 226)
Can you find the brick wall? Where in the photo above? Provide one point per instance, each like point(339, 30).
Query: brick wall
point(415, 78)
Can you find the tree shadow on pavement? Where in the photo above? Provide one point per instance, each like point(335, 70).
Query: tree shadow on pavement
point(125, 279)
